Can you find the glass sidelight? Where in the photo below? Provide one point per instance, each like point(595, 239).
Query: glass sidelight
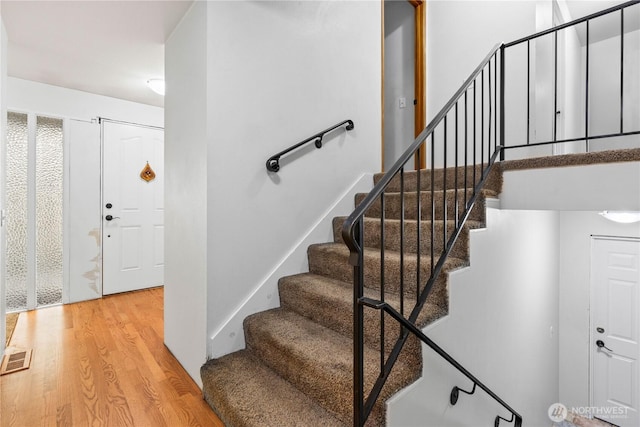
point(34, 187)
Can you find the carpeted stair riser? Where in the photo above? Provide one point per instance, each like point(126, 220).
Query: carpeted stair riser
point(493, 184)
point(393, 206)
point(332, 260)
point(393, 237)
point(330, 303)
point(234, 386)
point(316, 360)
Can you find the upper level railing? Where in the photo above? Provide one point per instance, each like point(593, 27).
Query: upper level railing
point(465, 139)
point(273, 163)
point(574, 73)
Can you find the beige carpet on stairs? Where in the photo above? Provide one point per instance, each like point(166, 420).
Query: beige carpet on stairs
point(296, 369)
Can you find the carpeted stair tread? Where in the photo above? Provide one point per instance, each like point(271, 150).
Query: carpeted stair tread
point(392, 235)
point(493, 183)
point(332, 260)
point(315, 359)
point(393, 207)
point(235, 385)
point(329, 302)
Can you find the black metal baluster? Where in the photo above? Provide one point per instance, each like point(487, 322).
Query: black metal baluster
point(621, 70)
point(502, 108)
point(586, 91)
point(402, 242)
point(455, 169)
point(382, 277)
point(555, 85)
point(358, 330)
point(495, 100)
point(444, 188)
point(528, 91)
point(490, 112)
point(482, 121)
point(418, 219)
point(433, 196)
point(475, 144)
point(466, 148)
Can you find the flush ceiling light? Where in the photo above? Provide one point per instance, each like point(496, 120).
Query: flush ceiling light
point(156, 85)
point(624, 217)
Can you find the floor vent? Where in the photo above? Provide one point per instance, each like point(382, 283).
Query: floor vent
point(15, 361)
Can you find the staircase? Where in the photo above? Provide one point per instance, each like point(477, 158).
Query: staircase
point(297, 367)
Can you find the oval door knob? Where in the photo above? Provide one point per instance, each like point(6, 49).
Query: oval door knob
point(110, 217)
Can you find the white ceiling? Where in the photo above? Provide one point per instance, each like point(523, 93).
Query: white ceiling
point(105, 47)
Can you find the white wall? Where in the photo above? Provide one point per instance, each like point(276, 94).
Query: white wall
point(186, 140)
point(572, 106)
point(604, 90)
point(502, 327)
point(40, 98)
point(399, 79)
point(576, 229)
point(614, 186)
point(460, 34)
point(277, 73)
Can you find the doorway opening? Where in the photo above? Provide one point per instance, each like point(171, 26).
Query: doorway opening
point(403, 75)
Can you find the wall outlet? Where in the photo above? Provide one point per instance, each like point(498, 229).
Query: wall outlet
point(402, 102)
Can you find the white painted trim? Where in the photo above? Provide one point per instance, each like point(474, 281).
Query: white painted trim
point(31, 211)
point(230, 336)
point(66, 198)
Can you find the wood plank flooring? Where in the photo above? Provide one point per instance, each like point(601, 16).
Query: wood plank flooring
point(101, 363)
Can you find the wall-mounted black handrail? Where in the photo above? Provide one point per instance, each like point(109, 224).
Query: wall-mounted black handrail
point(273, 163)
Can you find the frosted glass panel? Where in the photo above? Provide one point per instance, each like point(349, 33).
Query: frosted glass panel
point(49, 187)
point(17, 160)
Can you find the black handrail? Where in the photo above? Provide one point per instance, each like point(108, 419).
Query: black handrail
point(380, 305)
point(573, 23)
point(273, 163)
point(353, 227)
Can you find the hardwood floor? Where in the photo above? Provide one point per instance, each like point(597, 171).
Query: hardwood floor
point(100, 363)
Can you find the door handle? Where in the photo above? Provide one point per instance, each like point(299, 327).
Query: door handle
point(601, 344)
point(111, 217)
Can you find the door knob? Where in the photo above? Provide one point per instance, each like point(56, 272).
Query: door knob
point(111, 217)
point(601, 344)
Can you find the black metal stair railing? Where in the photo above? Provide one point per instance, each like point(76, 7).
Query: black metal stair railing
point(467, 136)
point(273, 162)
point(464, 136)
point(585, 26)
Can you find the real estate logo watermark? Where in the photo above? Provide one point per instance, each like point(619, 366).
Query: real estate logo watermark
point(558, 412)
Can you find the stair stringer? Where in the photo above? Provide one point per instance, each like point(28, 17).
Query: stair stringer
point(501, 326)
point(229, 337)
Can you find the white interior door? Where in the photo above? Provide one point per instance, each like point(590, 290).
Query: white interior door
point(133, 208)
point(615, 324)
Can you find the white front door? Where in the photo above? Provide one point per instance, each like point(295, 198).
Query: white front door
point(615, 330)
point(132, 208)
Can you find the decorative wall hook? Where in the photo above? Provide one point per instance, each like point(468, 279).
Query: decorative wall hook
point(147, 173)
